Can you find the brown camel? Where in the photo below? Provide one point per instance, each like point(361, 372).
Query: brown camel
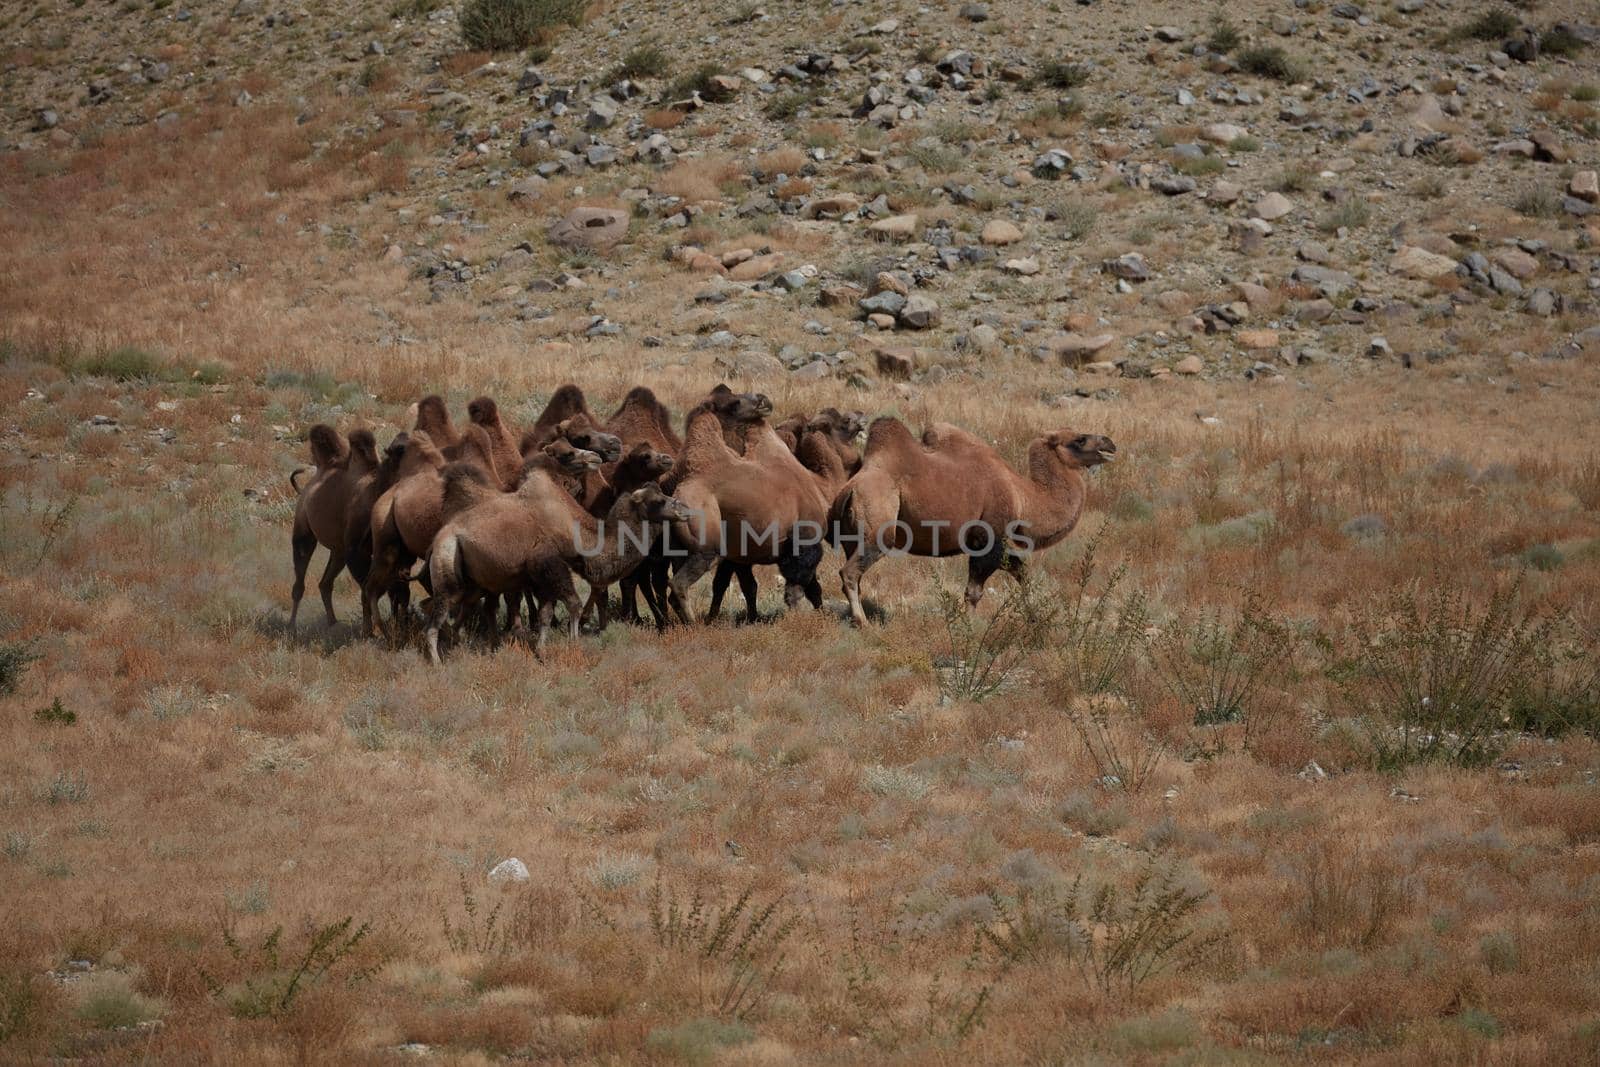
point(532, 542)
point(432, 417)
point(642, 466)
point(763, 507)
point(565, 403)
point(485, 413)
point(951, 493)
point(322, 512)
point(643, 418)
point(408, 515)
point(819, 453)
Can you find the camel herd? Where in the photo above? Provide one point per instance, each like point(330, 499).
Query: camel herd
point(495, 517)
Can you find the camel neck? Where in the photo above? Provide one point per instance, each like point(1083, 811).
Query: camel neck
point(1055, 495)
point(612, 547)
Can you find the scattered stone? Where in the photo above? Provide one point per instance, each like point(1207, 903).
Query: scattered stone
point(1517, 263)
point(895, 227)
point(1073, 348)
point(1189, 365)
point(895, 362)
point(919, 313)
point(1223, 132)
point(1174, 184)
point(598, 228)
point(1257, 340)
point(1585, 186)
point(1025, 267)
point(840, 295)
point(975, 12)
point(1225, 193)
point(1000, 232)
point(1272, 207)
point(1540, 303)
point(1169, 34)
point(1052, 164)
point(510, 870)
point(756, 267)
point(1413, 262)
point(602, 112)
point(885, 303)
point(1129, 267)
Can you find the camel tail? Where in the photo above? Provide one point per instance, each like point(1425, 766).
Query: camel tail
point(296, 473)
point(840, 514)
point(445, 569)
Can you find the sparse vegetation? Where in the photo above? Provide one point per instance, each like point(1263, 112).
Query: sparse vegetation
point(645, 61)
point(1270, 61)
point(1349, 214)
point(1538, 202)
point(1561, 41)
point(1225, 35)
point(509, 25)
point(15, 657)
point(1493, 25)
point(1059, 75)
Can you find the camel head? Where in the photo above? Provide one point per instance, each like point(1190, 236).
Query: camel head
point(647, 462)
point(484, 411)
point(572, 459)
point(842, 426)
point(430, 414)
point(581, 432)
point(365, 445)
point(740, 407)
point(654, 505)
point(1080, 450)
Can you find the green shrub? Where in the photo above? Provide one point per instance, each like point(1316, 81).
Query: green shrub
point(696, 81)
point(109, 1002)
point(1560, 41)
point(55, 713)
point(987, 653)
point(1351, 214)
point(1586, 94)
point(507, 25)
point(645, 61)
point(14, 659)
point(1270, 61)
point(1059, 75)
point(1225, 36)
point(125, 364)
point(785, 106)
point(698, 1040)
point(1198, 166)
point(1538, 202)
point(1244, 143)
point(1494, 25)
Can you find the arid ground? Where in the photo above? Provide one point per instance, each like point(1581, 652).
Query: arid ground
point(1287, 754)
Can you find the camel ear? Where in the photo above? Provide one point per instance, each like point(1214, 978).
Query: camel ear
point(1053, 439)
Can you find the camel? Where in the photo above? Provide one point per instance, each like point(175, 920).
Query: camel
point(485, 413)
point(643, 418)
point(322, 511)
point(952, 493)
point(432, 417)
point(532, 542)
point(565, 403)
point(819, 453)
point(642, 466)
point(750, 509)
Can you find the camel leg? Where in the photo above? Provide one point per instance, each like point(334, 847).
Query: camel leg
point(541, 630)
point(747, 586)
point(719, 587)
point(979, 570)
point(330, 574)
point(304, 544)
point(438, 611)
point(690, 570)
point(383, 576)
point(850, 575)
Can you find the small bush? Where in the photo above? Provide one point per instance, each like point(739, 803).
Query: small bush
point(1430, 187)
point(645, 61)
point(1499, 952)
point(1225, 36)
point(1227, 666)
point(267, 980)
point(15, 656)
point(1198, 166)
point(1084, 813)
point(785, 106)
point(1435, 677)
point(1494, 25)
point(1059, 75)
point(1270, 61)
point(1586, 94)
point(698, 1040)
point(1538, 202)
point(56, 714)
point(1348, 901)
point(1296, 178)
point(986, 654)
point(1352, 214)
point(109, 1002)
point(27, 1005)
point(1077, 218)
point(125, 364)
point(1560, 41)
point(935, 158)
point(696, 81)
point(65, 789)
point(508, 25)
point(1244, 143)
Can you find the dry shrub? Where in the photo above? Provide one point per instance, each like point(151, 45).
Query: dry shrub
point(665, 118)
point(697, 180)
point(788, 160)
point(1348, 899)
point(459, 63)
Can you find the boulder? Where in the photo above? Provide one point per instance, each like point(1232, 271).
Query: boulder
point(1190, 365)
point(590, 227)
point(756, 267)
point(1272, 207)
point(1413, 262)
point(1585, 186)
point(1517, 263)
point(1129, 267)
point(895, 227)
point(920, 313)
point(510, 870)
point(1000, 232)
point(1257, 340)
point(1075, 348)
point(895, 362)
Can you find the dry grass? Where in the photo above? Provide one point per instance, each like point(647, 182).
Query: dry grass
point(221, 776)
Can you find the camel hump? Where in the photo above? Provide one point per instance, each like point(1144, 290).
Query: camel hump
point(363, 449)
point(328, 449)
point(422, 452)
point(433, 418)
point(817, 454)
point(477, 447)
point(704, 445)
point(465, 484)
point(945, 435)
point(888, 433)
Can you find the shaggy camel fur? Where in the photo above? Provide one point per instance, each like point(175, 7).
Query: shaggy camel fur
point(642, 466)
point(322, 512)
point(643, 418)
point(432, 417)
point(532, 542)
point(567, 402)
point(748, 509)
point(485, 414)
point(951, 493)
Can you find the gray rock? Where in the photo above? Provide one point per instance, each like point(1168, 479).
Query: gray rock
point(1129, 267)
point(602, 112)
point(791, 280)
point(1540, 303)
point(1503, 282)
point(919, 313)
point(1174, 184)
point(1329, 282)
point(510, 870)
point(975, 12)
point(590, 227)
point(887, 302)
